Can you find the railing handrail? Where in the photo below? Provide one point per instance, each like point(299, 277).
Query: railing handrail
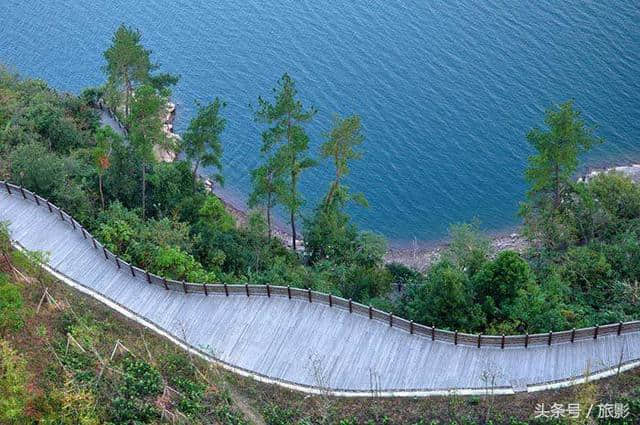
point(311, 296)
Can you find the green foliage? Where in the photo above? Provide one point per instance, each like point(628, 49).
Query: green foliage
point(214, 214)
point(499, 282)
point(201, 142)
point(128, 66)
point(446, 299)
point(105, 138)
point(469, 248)
point(171, 191)
point(269, 186)
point(140, 384)
point(37, 169)
point(287, 141)
point(11, 303)
point(276, 415)
point(145, 130)
point(13, 385)
point(340, 146)
point(551, 170)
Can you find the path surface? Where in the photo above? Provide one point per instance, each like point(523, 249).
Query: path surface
point(304, 344)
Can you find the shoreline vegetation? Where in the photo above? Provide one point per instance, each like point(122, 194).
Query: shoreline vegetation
point(419, 255)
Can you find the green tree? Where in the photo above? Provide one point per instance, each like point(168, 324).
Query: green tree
point(469, 247)
point(340, 146)
point(446, 299)
point(128, 62)
point(567, 136)
point(213, 213)
point(499, 282)
point(34, 167)
point(550, 175)
point(146, 130)
point(268, 186)
point(129, 65)
point(201, 142)
point(105, 137)
point(287, 137)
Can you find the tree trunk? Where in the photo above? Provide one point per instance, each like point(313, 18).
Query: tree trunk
point(101, 192)
point(557, 188)
point(293, 230)
point(195, 176)
point(127, 96)
point(144, 178)
point(269, 214)
point(292, 208)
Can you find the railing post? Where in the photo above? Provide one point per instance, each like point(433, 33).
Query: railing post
point(309, 293)
point(573, 335)
point(455, 338)
point(268, 291)
point(619, 328)
point(246, 288)
point(7, 186)
point(411, 327)
point(502, 342)
point(117, 262)
point(49, 206)
point(226, 290)
point(22, 191)
point(104, 250)
point(61, 216)
point(94, 243)
point(164, 282)
point(204, 285)
point(132, 272)
point(146, 272)
point(550, 336)
point(479, 340)
point(433, 332)
point(184, 286)
point(73, 223)
point(370, 312)
point(84, 233)
point(526, 340)
point(350, 305)
point(36, 198)
point(391, 319)
point(289, 291)
point(595, 332)
point(330, 300)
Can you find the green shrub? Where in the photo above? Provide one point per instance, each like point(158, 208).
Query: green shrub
point(11, 303)
point(13, 385)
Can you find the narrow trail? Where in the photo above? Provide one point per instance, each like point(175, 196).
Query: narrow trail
point(310, 346)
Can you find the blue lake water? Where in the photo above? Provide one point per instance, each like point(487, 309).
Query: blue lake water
point(446, 90)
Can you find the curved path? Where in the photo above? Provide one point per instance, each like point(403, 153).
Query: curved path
point(309, 346)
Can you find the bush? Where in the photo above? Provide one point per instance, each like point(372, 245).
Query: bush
point(446, 299)
point(499, 282)
point(13, 385)
point(11, 315)
point(141, 383)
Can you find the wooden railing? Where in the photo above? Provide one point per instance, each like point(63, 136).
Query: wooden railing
point(308, 295)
